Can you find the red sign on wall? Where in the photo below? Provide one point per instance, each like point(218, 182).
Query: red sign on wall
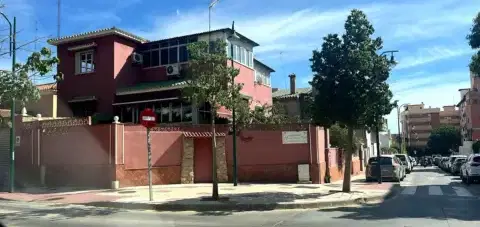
point(148, 118)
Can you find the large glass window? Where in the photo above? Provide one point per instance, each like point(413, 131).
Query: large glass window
point(183, 53)
point(242, 55)
point(186, 112)
point(155, 58)
point(165, 112)
point(146, 59)
point(176, 112)
point(173, 55)
point(164, 57)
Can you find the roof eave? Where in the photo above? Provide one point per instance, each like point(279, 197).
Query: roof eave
point(114, 31)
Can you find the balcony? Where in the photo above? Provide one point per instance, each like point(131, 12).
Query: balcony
point(418, 120)
point(419, 128)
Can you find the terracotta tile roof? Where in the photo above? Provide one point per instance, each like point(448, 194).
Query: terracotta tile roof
point(202, 134)
point(285, 93)
point(47, 87)
point(96, 33)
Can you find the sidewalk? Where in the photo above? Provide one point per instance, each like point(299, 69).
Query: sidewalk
point(242, 197)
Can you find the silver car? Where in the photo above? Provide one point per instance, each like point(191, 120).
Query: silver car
point(391, 168)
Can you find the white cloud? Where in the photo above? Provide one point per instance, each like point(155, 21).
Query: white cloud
point(431, 54)
point(288, 31)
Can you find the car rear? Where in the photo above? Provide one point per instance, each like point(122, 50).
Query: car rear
point(405, 162)
point(473, 167)
point(457, 165)
point(390, 168)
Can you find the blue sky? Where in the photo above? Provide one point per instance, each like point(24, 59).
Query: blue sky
point(430, 34)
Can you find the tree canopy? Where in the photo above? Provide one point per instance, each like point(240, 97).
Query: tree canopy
point(474, 42)
point(443, 140)
point(349, 83)
point(210, 80)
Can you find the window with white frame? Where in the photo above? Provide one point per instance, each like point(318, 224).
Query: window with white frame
point(84, 62)
point(262, 78)
point(167, 52)
point(242, 55)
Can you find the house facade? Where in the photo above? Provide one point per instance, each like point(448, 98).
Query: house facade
point(112, 72)
point(293, 99)
point(469, 106)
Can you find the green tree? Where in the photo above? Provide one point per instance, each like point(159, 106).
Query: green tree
point(443, 140)
point(273, 115)
point(474, 42)
point(20, 86)
point(476, 147)
point(209, 80)
point(348, 74)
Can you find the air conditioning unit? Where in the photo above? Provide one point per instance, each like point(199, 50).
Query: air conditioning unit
point(172, 70)
point(137, 58)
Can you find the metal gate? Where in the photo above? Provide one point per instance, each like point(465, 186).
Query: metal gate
point(4, 159)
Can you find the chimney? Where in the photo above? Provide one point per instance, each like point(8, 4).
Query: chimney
point(292, 83)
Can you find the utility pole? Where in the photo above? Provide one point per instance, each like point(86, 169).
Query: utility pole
point(58, 18)
point(234, 128)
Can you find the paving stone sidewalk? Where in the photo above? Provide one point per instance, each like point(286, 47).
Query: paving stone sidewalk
point(195, 196)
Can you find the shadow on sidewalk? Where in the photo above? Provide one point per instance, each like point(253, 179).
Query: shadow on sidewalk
point(57, 213)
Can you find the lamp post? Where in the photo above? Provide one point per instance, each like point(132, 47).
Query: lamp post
point(12, 48)
point(392, 59)
point(398, 124)
point(232, 37)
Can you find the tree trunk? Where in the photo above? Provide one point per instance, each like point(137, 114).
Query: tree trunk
point(214, 154)
point(348, 162)
point(327, 156)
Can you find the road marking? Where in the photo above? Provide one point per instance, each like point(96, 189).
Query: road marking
point(435, 190)
point(461, 191)
point(409, 190)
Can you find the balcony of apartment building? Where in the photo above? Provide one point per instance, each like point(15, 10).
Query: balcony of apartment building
point(450, 120)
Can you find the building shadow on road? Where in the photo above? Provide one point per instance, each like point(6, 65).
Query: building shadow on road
point(57, 213)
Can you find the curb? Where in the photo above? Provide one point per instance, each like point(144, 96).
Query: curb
point(233, 206)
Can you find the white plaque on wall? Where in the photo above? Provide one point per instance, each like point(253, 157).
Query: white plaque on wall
point(294, 137)
point(303, 173)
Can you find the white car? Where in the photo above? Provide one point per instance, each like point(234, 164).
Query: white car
point(470, 171)
point(405, 162)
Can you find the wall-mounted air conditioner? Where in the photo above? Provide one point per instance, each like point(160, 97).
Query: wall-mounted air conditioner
point(172, 70)
point(137, 58)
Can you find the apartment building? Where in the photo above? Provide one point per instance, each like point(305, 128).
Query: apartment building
point(469, 106)
point(418, 122)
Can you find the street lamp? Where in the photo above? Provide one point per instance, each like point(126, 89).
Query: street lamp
point(233, 36)
point(398, 123)
point(12, 108)
point(392, 60)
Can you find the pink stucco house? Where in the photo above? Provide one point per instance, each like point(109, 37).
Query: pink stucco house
point(116, 73)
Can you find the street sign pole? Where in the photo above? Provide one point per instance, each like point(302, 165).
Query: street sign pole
point(148, 119)
point(149, 150)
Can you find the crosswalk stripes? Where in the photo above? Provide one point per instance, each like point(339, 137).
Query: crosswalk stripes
point(436, 190)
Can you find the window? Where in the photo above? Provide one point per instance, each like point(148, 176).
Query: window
point(242, 55)
point(155, 58)
point(186, 112)
point(167, 52)
point(84, 62)
point(262, 78)
point(176, 112)
point(237, 53)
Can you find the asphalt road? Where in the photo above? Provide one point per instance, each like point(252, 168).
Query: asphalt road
point(428, 197)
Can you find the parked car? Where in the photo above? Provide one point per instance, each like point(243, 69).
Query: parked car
point(413, 161)
point(443, 162)
point(405, 161)
point(451, 160)
point(457, 164)
point(436, 160)
point(470, 170)
point(391, 168)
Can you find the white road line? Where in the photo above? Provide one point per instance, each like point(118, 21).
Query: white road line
point(435, 190)
point(409, 190)
point(460, 191)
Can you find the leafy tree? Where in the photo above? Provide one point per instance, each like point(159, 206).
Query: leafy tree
point(349, 81)
point(476, 147)
point(273, 115)
point(443, 140)
point(19, 86)
point(474, 42)
point(209, 80)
